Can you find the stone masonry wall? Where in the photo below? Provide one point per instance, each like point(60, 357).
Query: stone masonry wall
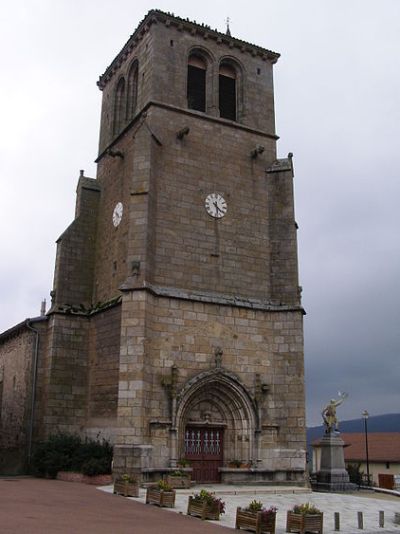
point(162, 51)
point(186, 333)
point(172, 47)
point(121, 248)
point(193, 250)
point(167, 238)
point(16, 357)
point(73, 277)
point(105, 330)
point(64, 373)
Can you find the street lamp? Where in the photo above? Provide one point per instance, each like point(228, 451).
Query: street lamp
point(365, 415)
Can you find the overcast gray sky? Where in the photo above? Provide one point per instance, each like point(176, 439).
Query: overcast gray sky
point(337, 92)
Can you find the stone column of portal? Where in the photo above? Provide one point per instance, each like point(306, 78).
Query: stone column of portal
point(131, 452)
point(173, 431)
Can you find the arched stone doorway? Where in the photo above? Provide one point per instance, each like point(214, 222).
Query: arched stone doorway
point(216, 422)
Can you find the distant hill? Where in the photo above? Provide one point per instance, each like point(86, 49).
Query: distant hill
point(376, 423)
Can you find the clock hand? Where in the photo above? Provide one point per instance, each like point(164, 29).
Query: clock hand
point(216, 206)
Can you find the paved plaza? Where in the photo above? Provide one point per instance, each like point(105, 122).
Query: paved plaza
point(368, 502)
point(39, 506)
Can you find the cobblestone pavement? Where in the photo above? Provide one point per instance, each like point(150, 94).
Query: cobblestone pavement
point(346, 504)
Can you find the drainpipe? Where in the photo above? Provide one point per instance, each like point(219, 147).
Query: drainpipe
point(34, 380)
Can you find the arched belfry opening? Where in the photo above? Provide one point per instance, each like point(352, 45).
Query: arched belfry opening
point(216, 423)
point(228, 91)
point(196, 82)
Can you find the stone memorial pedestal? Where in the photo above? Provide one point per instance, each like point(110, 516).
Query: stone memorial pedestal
point(332, 475)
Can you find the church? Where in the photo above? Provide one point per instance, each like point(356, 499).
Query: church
point(176, 327)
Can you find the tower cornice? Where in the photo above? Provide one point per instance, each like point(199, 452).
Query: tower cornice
point(156, 16)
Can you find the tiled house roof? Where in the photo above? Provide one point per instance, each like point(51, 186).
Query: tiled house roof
point(382, 446)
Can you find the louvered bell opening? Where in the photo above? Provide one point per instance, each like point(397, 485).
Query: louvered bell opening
point(196, 84)
point(227, 92)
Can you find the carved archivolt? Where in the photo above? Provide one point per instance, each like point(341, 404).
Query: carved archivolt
point(221, 399)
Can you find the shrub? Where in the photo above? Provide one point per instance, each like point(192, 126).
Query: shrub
point(95, 466)
point(355, 474)
point(69, 452)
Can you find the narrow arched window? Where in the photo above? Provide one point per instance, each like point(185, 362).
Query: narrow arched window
point(196, 83)
point(132, 91)
point(227, 92)
point(119, 106)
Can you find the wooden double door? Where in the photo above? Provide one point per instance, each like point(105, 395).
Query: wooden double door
point(204, 449)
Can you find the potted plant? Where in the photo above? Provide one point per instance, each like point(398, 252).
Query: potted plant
point(127, 485)
point(304, 518)
point(205, 505)
point(256, 518)
point(182, 463)
point(178, 479)
point(161, 494)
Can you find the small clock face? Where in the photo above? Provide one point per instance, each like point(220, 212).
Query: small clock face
point(117, 214)
point(216, 205)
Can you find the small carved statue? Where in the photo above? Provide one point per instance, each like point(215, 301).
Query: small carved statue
point(329, 413)
point(218, 357)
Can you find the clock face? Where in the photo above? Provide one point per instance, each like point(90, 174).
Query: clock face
point(216, 205)
point(117, 214)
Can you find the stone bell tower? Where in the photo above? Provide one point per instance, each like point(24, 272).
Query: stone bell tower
point(187, 266)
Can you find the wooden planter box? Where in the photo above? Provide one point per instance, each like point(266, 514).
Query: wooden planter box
point(304, 523)
point(202, 509)
point(127, 489)
point(160, 497)
point(178, 481)
point(254, 521)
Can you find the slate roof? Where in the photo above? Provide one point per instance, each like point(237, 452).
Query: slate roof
point(18, 328)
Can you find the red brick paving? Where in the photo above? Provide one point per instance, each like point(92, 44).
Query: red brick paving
point(38, 506)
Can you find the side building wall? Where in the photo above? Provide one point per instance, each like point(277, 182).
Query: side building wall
point(79, 374)
point(19, 353)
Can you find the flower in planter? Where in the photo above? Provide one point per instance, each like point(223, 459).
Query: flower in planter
point(257, 506)
point(305, 509)
point(235, 463)
point(130, 479)
point(164, 486)
point(210, 499)
point(267, 513)
point(183, 463)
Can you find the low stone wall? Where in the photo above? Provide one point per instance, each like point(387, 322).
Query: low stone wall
point(266, 477)
point(97, 480)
